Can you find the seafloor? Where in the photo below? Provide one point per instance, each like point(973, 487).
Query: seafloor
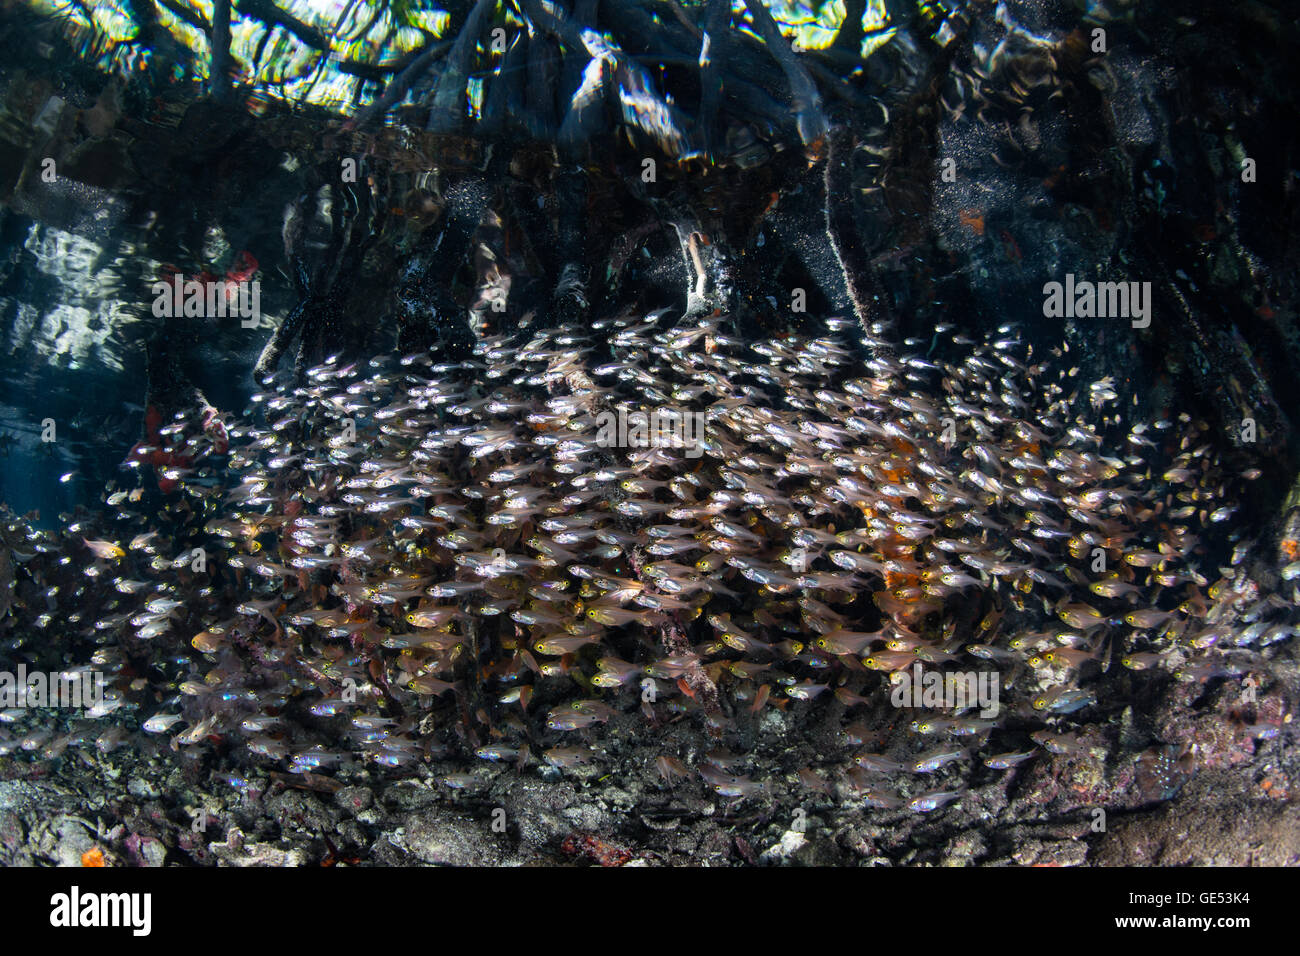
point(1233, 804)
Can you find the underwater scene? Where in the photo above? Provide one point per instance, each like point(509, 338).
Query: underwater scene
point(649, 433)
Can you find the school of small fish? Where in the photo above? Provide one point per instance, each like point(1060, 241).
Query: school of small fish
point(411, 560)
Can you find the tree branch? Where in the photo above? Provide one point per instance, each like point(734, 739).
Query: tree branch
point(804, 98)
point(219, 64)
point(269, 13)
point(448, 112)
point(399, 87)
point(182, 12)
point(869, 304)
point(713, 54)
